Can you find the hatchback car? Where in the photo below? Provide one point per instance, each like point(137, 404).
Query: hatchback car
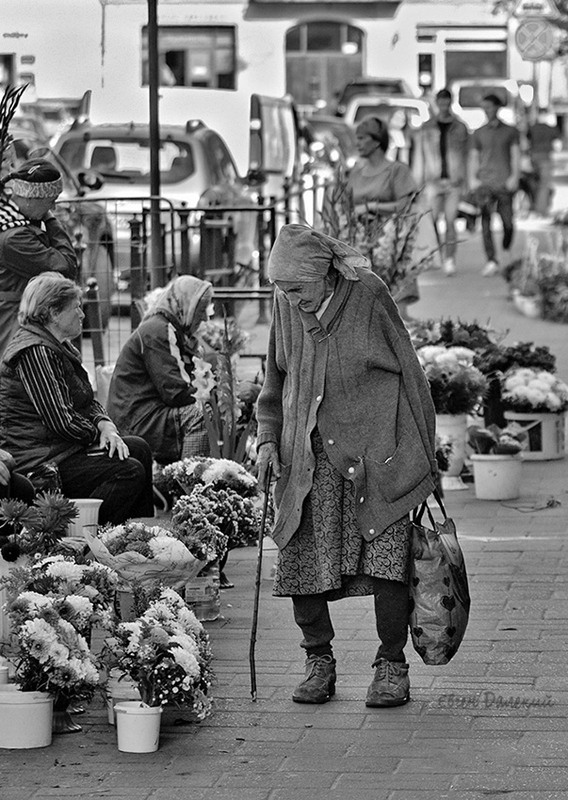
point(414, 110)
point(365, 86)
point(197, 171)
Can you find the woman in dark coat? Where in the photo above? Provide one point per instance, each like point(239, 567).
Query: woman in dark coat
point(151, 393)
point(48, 413)
point(346, 421)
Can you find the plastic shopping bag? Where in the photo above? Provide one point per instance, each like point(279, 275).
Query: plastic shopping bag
point(439, 591)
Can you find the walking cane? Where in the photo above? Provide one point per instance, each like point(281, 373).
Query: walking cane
point(257, 584)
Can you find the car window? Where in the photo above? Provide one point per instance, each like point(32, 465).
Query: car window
point(472, 96)
point(221, 166)
point(128, 159)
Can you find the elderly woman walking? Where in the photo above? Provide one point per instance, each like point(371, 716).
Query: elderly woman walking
point(347, 424)
point(48, 413)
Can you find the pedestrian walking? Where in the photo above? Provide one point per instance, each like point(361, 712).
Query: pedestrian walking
point(346, 423)
point(542, 136)
point(440, 166)
point(495, 168)
point(31, 238)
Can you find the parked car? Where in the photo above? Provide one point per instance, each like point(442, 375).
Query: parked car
point(368, 85)
point(196, 169)
point(417, 111)
point(331, 139)
point(85, 220)
point(468, 95)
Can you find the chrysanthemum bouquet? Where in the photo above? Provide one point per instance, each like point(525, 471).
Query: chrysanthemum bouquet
point(146, 554)
point(457, 387)
point(166, 652)
point(35, 528)
point(217, 472)
point(533, 391)
point(49, 652)
point(90, 588)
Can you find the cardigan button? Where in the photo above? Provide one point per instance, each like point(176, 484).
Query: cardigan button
point(371, 530)
point(351, 470)
point(331, 441)
point(361, 499)
point(318, 398)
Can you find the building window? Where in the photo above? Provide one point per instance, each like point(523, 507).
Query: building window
point(193, 56)
point(329, 37)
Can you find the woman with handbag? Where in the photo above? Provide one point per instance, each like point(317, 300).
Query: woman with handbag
point(346, 425)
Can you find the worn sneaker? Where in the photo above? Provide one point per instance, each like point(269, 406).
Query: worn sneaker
point(390, 686)
point(449, 266)
point(319, 684)
point(490, 269)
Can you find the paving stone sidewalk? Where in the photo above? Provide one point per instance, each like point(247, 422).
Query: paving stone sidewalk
point(492, 723)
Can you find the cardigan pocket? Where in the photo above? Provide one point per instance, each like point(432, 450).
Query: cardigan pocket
point(403, 471)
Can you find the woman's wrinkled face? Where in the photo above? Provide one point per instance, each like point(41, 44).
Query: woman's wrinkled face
point(68, 322)
point(305, 295)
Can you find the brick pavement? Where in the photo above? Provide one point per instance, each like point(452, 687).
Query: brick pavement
point(491, 723)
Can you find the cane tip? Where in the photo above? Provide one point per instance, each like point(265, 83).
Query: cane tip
point(253, 697)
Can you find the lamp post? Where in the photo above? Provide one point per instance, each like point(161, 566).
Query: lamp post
point(157, 268)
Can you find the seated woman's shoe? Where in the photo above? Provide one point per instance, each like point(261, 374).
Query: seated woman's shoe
point(224, 582)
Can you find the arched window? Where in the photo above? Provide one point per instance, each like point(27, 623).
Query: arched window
point(321, 57)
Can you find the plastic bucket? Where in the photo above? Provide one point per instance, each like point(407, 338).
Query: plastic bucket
point(269, 559)
point(26, 718)
point(119, 689)
point(137, 727)
point(497, 477)
point(88, 516)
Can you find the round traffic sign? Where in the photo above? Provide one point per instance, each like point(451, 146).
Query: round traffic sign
point(535, 39)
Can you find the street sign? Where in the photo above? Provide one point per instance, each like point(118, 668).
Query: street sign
point(535, 39)
point(535, 8)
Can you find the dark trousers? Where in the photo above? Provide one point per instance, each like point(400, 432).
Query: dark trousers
point(19, 488)
point(501, 201)
point(125, 487)
point(311, 613)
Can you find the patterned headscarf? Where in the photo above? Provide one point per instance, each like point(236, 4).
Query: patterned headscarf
point(303, 254)
point(37, 179)
point(181, 298)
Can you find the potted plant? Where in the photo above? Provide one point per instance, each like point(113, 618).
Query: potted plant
point(537, 400)
point(166, 653)
point(457, 389)
point(496, 460)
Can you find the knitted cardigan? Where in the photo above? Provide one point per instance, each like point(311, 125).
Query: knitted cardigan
point(354, 374)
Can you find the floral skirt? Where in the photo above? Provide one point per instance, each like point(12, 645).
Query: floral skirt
point(328, 553)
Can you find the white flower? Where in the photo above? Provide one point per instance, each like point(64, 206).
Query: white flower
point(66, 570)
point(187, 661)
point(553, 402)
point(166, 548)
point(35, 601)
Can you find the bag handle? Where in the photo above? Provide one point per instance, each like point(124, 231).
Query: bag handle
point(419, 512)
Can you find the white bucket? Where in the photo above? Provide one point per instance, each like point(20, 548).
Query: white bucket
point(26, 718)
point(497, 477)
point(137, 726)
point(269, 559)
point(119, 688)
point(88, 516)
point(453, 427)
point(546, 434)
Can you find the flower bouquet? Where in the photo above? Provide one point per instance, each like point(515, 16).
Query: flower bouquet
point(147, 554)
point(89, 588)
point(497, 441)
point(457, 386)
point(166, 652)
point(36, 528)
point(49, 652)
point(217, 472)
point(533, 391)
point(452, 333)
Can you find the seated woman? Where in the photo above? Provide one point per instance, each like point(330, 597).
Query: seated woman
point(48, 412)
point(151, 393)
point(12, 484)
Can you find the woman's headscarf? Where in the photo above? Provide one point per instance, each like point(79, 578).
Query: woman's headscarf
point(180, 298)
point(303, 254)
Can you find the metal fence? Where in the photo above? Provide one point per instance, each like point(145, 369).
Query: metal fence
point(228, 245)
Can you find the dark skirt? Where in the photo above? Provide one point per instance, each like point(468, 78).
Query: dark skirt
point(328, 553)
